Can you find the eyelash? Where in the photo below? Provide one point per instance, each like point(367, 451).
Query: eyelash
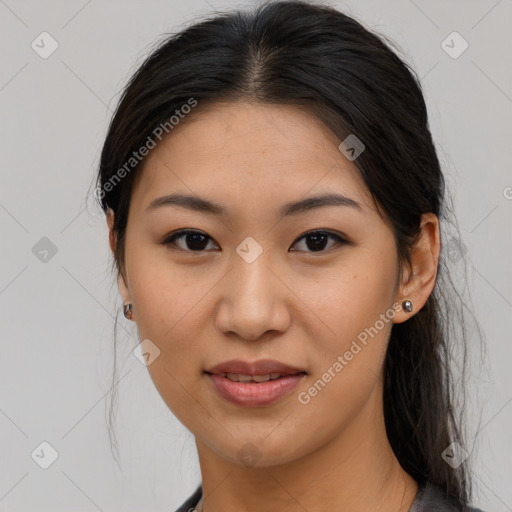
point(169, 240)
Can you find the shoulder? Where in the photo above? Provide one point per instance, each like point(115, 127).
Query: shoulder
point(190, 503)
point(432, 499)
point(428, 499)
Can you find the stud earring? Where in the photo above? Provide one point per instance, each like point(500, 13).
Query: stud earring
point(407, 305)
point(127, 310)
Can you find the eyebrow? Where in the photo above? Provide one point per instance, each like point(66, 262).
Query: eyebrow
point(199, 204)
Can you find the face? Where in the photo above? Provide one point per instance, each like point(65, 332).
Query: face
point(253, 282)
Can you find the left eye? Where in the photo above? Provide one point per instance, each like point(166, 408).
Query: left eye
point(317, 240)
point(196, 240)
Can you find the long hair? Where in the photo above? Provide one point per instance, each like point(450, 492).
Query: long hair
point(326, 62)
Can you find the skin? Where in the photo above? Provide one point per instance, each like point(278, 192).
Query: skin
point(301, 307)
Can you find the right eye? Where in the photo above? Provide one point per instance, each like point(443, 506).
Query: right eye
point(194, 241)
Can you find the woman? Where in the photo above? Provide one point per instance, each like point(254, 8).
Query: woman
point(274, 198)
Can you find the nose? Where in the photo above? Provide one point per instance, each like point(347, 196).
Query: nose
point(253, 300)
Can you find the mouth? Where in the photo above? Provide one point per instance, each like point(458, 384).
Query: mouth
point(240, 370)
point(254, 383)
point(240, 377)
point(244, 390)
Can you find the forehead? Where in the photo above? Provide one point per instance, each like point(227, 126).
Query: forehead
point(248, 153)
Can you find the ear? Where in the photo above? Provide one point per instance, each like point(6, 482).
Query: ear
point(121, 283)
point(110, 224)
point(419, 277)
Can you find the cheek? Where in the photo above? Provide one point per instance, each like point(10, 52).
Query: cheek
point(352, 294)
point(168, 310)
point(164, 296)
point(347, 365)
point(167, 306)
point(353, 308)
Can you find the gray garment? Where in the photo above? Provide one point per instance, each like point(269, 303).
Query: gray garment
point(432, 499)
point(428, 499)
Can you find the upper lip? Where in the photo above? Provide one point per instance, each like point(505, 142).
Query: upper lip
point(261, 367)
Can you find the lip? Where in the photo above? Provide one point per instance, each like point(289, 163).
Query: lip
point(255, 394)
point(261, 367)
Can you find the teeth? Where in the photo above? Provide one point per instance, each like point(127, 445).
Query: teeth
point(239, 377)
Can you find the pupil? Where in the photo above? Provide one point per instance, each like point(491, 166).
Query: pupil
point(194, 245)
point(316, 244)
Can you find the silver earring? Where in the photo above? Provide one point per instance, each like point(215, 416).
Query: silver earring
point(407, 305)
point(127, 310)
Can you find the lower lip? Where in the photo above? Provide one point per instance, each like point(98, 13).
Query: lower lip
point(255, 394)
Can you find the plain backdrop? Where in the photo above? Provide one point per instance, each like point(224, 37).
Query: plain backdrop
point(59, 300)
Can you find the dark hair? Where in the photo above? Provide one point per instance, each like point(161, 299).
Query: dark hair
point(326, 62)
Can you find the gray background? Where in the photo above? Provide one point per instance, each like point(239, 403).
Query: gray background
point(57, 310)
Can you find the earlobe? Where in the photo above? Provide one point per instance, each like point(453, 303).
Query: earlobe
point(125, 294)
point(418, 282)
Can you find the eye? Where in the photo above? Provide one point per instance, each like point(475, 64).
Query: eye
point(195, 240)
point(317, 240)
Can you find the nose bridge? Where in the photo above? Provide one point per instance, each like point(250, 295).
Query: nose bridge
point(253, 286)
point(252, 299)
point(252, 275)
